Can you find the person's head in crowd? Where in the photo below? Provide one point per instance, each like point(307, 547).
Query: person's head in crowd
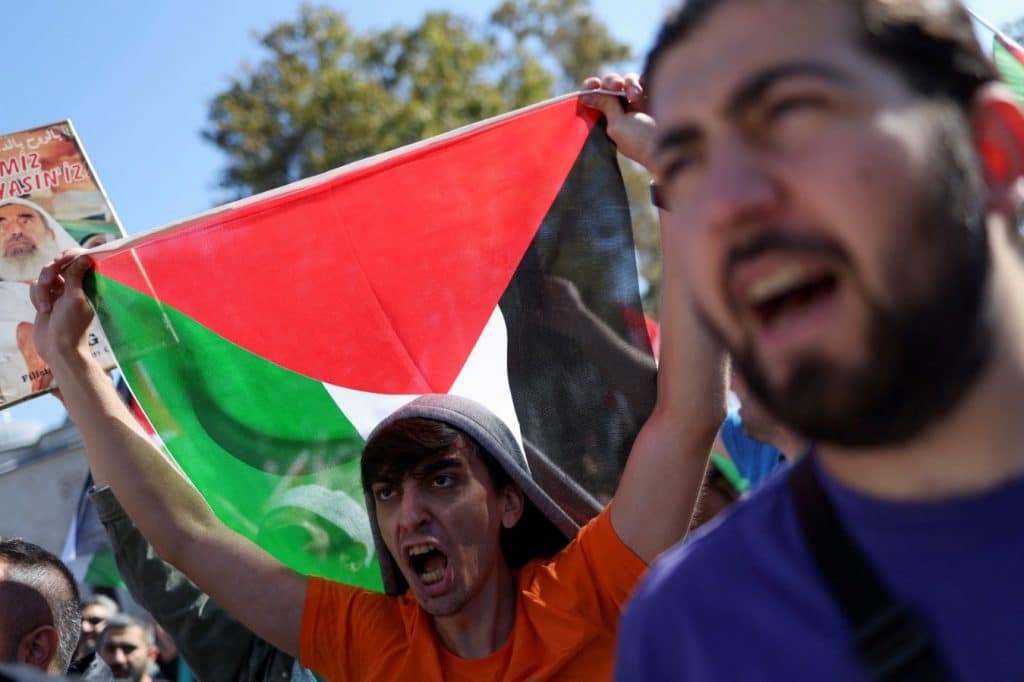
point(96, 611)
point(844, 202)
point(842, 196)
point(29, 239)
point(128, 646)
point(39, 614)
point(452, 503)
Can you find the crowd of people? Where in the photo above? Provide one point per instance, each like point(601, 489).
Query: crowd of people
point(840, 188)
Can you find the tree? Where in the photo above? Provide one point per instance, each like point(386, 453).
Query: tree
point(577, 42)
point(325, 95)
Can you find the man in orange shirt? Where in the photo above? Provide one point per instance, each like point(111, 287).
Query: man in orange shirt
point(464, 535)
point(439, 507)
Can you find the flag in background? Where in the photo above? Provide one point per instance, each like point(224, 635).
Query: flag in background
point(1009, 59)
point(87, 550)
point(264, 340)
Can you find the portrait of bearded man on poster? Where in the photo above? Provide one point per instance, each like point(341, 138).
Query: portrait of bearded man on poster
point(29, 239)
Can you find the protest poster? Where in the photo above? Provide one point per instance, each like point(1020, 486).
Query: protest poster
point(50, 200)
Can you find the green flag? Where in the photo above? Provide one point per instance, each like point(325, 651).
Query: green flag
point(102, 570)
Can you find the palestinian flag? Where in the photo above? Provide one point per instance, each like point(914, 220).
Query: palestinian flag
point(87, 550)
point(1009, 58)
point(265, 339)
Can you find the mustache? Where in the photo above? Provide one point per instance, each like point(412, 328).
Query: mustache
point(775, 241)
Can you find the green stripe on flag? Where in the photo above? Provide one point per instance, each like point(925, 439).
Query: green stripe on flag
point(102, 571)
point(1011, 68)
point(269, 449)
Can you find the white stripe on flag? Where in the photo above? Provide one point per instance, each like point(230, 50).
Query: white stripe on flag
point(483, 378)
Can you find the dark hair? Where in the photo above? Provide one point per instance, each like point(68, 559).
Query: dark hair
point(930, 42)
point(123, 621)
point(48, 595)
point(399, 448)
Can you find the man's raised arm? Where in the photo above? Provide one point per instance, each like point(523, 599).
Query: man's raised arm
point(659, 487)
point(256, 588)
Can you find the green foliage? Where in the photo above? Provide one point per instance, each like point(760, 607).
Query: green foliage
point(325, 95)
point(579, 44)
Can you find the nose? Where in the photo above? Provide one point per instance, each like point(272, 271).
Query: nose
point(119, 657)
point(412, 510)
point(739, 186)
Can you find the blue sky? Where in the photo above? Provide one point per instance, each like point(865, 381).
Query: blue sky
point(136, 79)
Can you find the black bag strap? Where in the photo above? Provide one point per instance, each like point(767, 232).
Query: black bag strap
point(892, 643)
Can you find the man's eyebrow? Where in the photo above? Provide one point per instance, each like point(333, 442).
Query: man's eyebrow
point(755, 87)
point(677, 137)
point(441, 464)
point(748, 94)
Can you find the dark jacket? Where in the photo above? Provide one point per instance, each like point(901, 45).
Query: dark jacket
point(91, 667)
point(216, 646)
point(13, 672)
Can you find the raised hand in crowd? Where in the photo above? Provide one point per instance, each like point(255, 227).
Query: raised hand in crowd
point(629, 125)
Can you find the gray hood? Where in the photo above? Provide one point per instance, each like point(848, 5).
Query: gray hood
point(496, 441)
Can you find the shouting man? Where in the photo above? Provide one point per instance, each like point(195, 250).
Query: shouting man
point(845, 193)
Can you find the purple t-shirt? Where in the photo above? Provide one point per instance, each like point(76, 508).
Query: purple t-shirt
point(742, 601)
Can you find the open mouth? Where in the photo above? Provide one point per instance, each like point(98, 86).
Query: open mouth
point(788, 291)
point(428, 562)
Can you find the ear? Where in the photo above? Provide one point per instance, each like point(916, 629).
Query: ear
point(38, 648)
point(511, 505)
point(154, 652)
point(997, 126)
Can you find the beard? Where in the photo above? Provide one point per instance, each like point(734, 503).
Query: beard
point(124, 675)
point(25, 267)
point(926, 345)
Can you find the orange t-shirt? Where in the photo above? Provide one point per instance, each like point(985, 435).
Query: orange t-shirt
point(566, 615)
